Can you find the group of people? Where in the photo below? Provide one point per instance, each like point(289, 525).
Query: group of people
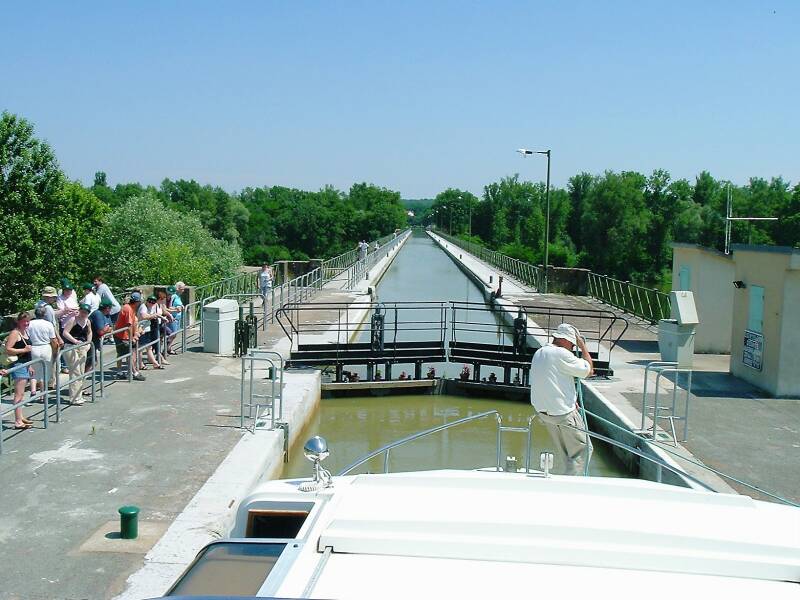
point(363, 248)
point(63, 319)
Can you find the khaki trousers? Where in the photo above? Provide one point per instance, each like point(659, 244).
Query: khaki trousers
point(76, 361)
point(570, 440)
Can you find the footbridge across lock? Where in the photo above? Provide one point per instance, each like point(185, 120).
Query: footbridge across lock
point(424, 335)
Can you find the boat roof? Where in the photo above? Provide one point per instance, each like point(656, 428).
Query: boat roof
point(479, 534)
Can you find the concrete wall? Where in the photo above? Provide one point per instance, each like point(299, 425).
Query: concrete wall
point(772, 269)
point(711, 277)
point(789, 380)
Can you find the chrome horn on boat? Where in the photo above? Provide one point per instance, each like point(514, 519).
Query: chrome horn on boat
point(316, 450)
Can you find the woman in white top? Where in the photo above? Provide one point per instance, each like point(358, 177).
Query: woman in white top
point(90, 297)
point(149, 321)
point(44, 342)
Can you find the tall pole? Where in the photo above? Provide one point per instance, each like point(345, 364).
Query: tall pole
point(450, 229)
point(547, 224)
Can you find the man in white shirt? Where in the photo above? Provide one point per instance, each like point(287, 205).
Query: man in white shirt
point(553, 395)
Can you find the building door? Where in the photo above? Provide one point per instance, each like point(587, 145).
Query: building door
point(755, 310)
point(685, 278)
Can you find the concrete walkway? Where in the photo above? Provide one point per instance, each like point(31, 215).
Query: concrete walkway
point(733, 427)
point(171, 446)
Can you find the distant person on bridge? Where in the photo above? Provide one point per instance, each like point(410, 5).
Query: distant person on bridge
point(553, 395)
point(265, 281)
point(362, 250)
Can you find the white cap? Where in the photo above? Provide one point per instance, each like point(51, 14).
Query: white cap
point(567, 332)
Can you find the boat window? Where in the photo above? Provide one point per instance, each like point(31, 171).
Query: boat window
point(228, 569)
point(284, 521)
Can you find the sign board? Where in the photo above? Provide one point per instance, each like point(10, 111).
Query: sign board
point(753, 353)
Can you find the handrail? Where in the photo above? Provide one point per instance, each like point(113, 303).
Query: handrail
point(695, 463)
point(412, 437)
point(43, 394)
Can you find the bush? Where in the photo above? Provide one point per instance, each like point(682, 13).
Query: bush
point(143, 241)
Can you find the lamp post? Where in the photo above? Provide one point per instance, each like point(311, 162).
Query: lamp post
point(525, 152)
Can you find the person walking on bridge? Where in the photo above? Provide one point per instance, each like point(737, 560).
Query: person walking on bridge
point(553, 395)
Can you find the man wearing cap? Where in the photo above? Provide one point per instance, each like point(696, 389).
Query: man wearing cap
point(48, 301)
point(101, 325)
point(90, 297)
point(175, 308)
point(553, 395)
point(126, 339)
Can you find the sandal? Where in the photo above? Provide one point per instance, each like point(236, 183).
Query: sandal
point(23, 426)
point(27, 421)
point(158, 367)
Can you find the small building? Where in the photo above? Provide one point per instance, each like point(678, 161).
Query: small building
point(708, 274)
point(766, 318)
point(748, 304)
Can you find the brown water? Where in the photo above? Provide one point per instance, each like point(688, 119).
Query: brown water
point(355, 426)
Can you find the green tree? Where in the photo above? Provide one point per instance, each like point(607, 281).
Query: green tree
point(49, 225)
point(147, 242)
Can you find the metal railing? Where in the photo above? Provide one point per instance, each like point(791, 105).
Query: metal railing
point(68, 350)
point(250, 400)
point(333, 267)
point(649, 304)
point(661, 368)
point(42, 394)
point(646, 303)
point(360, 269)
point(530, 275)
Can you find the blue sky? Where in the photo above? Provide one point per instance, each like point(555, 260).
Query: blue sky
point(414, 96)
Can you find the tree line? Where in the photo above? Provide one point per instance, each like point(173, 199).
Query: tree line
point(619, 224)
point(51, 227)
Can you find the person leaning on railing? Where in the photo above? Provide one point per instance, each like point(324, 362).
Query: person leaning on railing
point(44, 342)
point(126, 339)
point(101, 325)
point(164, 326)
point(18, 348)
point(149, 318)
point(47, 302)
point(175, 308)
point(77, 331)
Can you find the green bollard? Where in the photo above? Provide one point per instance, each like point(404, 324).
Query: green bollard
point(129, 522)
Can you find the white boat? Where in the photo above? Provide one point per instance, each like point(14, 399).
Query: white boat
point(488, 533)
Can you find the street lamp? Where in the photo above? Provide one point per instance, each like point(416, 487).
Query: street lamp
point(525, 152)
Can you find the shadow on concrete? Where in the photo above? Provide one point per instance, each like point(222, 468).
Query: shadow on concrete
point(639, 346)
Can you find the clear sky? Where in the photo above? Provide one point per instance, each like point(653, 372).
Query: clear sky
point(414, 96)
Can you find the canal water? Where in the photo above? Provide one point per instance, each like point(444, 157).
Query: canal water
point(355, 426)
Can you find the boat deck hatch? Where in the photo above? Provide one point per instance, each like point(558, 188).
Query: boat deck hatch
point(229, 569)
point(283, 521)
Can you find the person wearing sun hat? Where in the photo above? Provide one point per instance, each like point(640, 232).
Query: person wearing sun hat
point(77, 331)
point(48, 301)
point(553, 395)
